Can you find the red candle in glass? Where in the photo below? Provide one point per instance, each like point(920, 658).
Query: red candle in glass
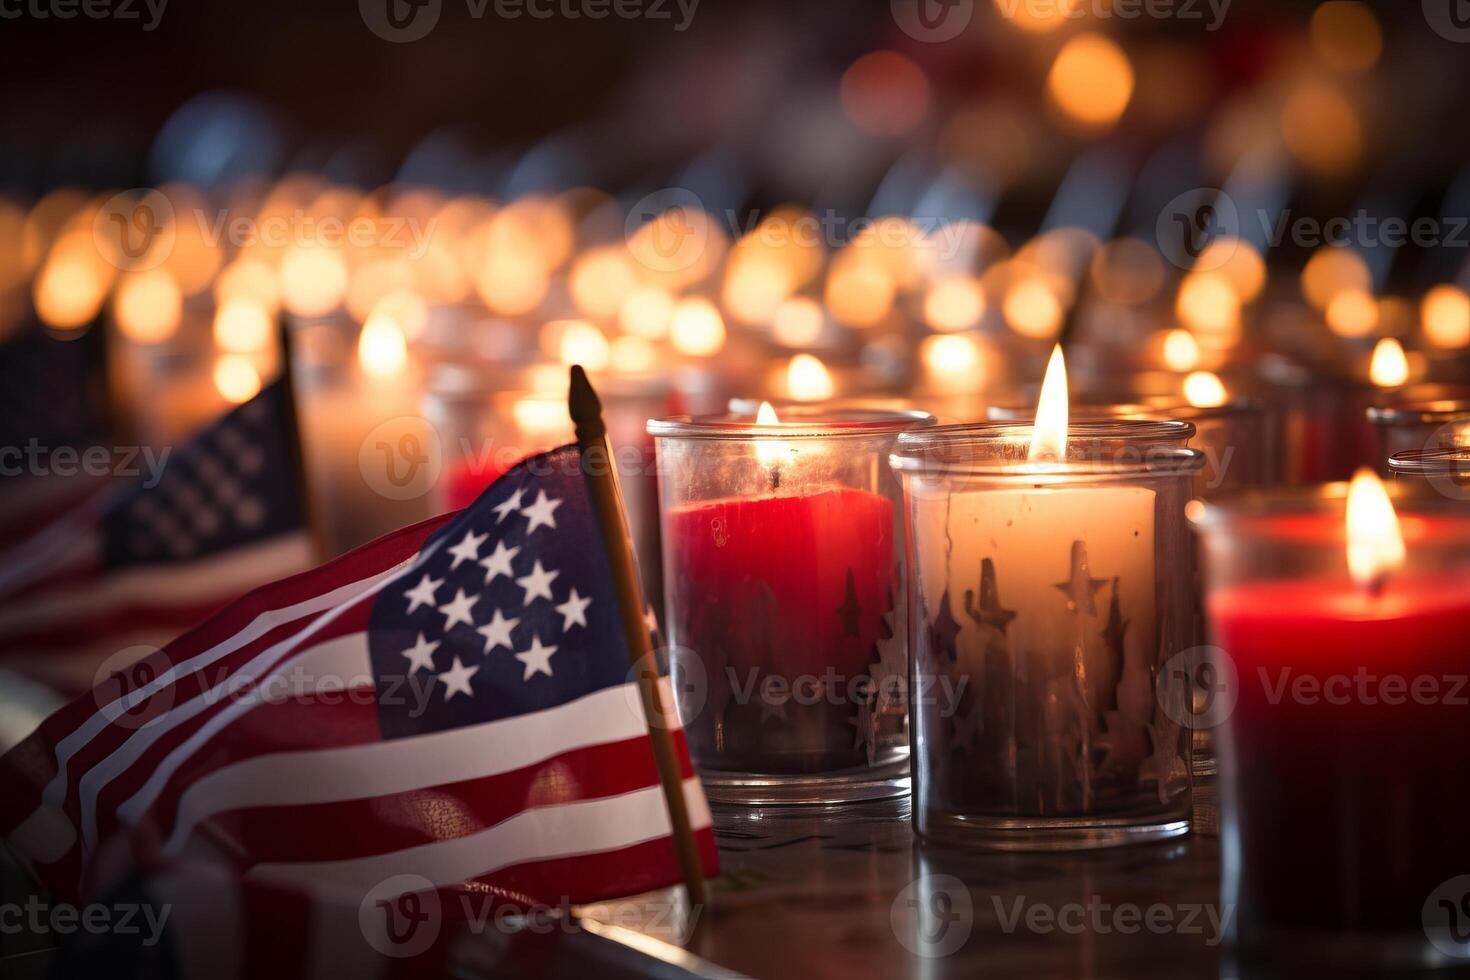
point(778, 566)
point(1348, 816)
point(781, 573)
point(1340, 806)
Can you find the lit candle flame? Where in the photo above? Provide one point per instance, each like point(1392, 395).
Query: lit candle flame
point(808, 380)
point(1181, 350)
point(382, 349)
point(770, 452)
point(1390, 366)
point(1445, 316)
point(236, 378)
point(1049, 434)
point(1203, 389)
point(1375, 542)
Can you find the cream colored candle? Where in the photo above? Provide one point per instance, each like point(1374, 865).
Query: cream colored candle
point(1071, 588)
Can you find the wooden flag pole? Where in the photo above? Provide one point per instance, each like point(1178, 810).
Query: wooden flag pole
point(597, 466)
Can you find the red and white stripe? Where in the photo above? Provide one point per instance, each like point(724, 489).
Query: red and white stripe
point(257, 730)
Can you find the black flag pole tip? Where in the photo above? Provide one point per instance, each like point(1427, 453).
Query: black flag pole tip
point(585, 407)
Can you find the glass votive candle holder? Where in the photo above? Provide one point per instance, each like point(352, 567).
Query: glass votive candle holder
point(1416, 425)
point(1045, 602)
point(488, 420)
point(1340, 694)
point(1234, 436)
point(1446, 471)
point(784, 607)
point(370, 466)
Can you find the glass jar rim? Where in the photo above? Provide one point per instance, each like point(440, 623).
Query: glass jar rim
point(1264, 511)
point(990, 449)
point(799, 422)
point(1153, 409)
point(1421, 412)
point(1453, 461)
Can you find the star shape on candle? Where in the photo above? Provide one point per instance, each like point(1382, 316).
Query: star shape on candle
point(497, 631)
point(540, 512)
point(508, 506)
point(421, 655)
point(499, 562)
point(457, 610)
point(1081, 588)
point(573, 611)
point(864, 729)
point(1166, 767)
point(537, 659)
point(1123, 743)
point(892, 663)
point(468, 548)
point(989, 612)
point(457, 679)
point(945, 630)
point(967, 728)
point(423, 593)
point(537, 584)
point(849, 610)
point(1117, 627)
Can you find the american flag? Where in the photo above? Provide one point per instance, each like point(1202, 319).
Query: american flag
point(131, 566)
point(452, 702)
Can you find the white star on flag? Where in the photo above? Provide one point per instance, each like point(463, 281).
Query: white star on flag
point(497, 632)
point(539, 513)
point(573, 611)
point(537, 584)
point(537, 659)
point(499, 562)
point(423, 593)
point(506, 506)
point(457, 610)
point(421, 654)
point(457, 679)
point(468, 549)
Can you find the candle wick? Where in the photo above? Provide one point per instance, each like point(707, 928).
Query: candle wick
point(776, 477)
point(1377, 584)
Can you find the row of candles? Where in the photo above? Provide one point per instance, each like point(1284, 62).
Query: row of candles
point(1056, 679)
point(946, 313)
point(999, 623)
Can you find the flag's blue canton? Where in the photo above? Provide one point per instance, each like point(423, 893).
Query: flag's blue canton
point(512, 612)
point(233, 483)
